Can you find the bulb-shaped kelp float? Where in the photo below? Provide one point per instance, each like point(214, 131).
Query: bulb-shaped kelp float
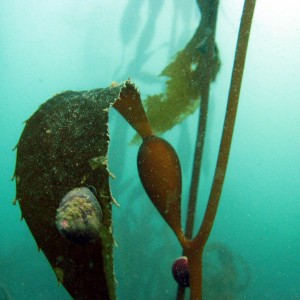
point(158, 164)
point(79, 216)
point(160, 173)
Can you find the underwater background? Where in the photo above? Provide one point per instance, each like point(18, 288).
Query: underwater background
point(253, 252)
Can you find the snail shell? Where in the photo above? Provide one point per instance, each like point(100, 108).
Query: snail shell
point(180, 270)
point(79, 216)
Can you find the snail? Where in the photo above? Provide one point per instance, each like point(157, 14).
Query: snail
point(180, 270)
point(79, 216)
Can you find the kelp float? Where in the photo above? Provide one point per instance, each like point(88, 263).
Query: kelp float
point(63, 181)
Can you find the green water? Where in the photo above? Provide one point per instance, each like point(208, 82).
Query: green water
point(49, 47)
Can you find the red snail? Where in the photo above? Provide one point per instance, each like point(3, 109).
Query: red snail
point(180, 270)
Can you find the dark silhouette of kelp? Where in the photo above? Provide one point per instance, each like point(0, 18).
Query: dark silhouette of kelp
point(4, 292)
point(226, 275)
point(141, 256)
point(130, 25)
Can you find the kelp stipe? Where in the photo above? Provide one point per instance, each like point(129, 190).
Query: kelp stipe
point(198, 243)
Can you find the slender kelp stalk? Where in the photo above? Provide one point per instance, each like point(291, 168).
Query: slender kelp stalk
point(232, 105)
point(194, 248)
point(209, 12)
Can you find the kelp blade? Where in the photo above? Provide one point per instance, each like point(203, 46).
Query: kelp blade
point(64, 145)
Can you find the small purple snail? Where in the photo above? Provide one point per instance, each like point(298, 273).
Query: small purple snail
point(180, 270)
point(79, 216)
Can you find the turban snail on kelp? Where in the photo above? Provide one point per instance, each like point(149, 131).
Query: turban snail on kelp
point(79, 216)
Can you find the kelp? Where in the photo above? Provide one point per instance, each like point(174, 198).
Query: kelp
point(4, 292)
point(226, 274)
point(63, 146)
point(184, 85)
point(194, 248)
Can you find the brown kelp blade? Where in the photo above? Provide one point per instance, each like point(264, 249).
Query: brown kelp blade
point(64, 145)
